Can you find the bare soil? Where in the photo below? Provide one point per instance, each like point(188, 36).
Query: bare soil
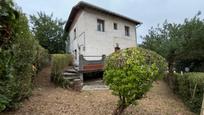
point(50, 100)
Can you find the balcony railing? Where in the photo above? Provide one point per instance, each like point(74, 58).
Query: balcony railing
point(86, 66)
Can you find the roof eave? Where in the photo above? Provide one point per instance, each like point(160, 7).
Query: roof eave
point(82, 5)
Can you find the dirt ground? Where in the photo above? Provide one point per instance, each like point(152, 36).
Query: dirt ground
point(50, 100)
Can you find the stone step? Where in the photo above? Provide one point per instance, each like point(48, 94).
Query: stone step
point(95, 87)
point(70, 74)
point(71, 78)
point(71, 70)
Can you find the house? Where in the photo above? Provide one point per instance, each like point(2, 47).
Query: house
point(94, 31)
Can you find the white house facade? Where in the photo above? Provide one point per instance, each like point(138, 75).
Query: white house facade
point(94, 31)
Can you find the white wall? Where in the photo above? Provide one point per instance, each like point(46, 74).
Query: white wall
point(77, 42)
point(98, 43)
point(104, 42)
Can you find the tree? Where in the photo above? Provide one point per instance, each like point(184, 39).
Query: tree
point(165, 41)
point(180, 44)
point(192, 47)
point(130, 72)
point(49, 32)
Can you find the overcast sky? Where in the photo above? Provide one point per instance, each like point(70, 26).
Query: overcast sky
point(149, 12)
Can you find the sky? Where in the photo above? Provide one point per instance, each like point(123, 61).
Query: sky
point(149, 12)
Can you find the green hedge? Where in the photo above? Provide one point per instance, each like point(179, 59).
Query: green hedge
point(18, 58)
point(190, 88)
point(58, 63)
point(17, 71)
point(42, 58)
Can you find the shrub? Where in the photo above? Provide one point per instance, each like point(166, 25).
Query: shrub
point(130, 72)
point(153, 57)
point(42, 58)
point(190, 88)
point(58, 63)
point(16, 65)
point(16, 62)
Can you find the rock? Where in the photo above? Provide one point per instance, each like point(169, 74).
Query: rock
point(77, 84)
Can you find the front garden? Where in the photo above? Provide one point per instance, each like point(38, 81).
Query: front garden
point(32, 62)
point(49, 99)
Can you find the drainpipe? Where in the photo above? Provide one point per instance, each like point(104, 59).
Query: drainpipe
point(137, 26)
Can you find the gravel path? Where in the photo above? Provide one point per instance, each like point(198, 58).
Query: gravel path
point(49, 100)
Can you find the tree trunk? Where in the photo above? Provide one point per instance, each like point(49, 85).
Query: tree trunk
point(170, 78)
point(119, 110)
point(171, 66)
point(171, 59)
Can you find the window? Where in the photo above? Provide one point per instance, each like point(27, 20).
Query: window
point(100, 25)
point(75, 33)
point(75, 54)
point(115, 26)
point(127, 31)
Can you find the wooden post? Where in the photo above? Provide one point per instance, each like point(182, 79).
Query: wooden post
point(81, 64)
point(202, 108)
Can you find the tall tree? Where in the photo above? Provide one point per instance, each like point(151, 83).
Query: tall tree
point(49, 32)
point(165, 41)
point(192, 48)
point(180, 44)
